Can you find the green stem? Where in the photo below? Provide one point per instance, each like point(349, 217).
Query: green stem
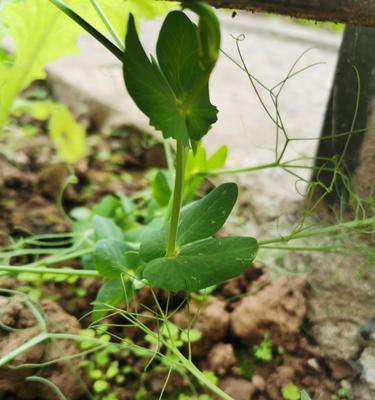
point(107, 23)
point(89, 28)
point(239, 170)
point(199, 374)
point(177, 198)
point(321, 231)
point(60, 258)
point(57, 271)
point(23, 348)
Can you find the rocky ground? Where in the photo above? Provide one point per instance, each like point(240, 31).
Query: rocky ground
point(253, 310)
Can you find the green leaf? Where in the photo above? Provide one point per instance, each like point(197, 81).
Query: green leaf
point(202, 264)
point(150, 90)
point(305, 395)
point(100, 386)
point(113, 257)
point(28, 22)
point(112, 293)
point(217, 160)
point(205, 217)
point(190, 335)
point(106, 207)
point(290, 392)
point(208, 33)
point(68, 136)
point(162, 187)
point(174, 93)
point(105, 228)
point(198, 220)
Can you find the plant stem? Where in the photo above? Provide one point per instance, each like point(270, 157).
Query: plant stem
point(89, 28)
point(321, 231)
point(177, 198)
point(199, 374)
point(244, 169)
point(56, 271)
point(99, 10)
point(23, 348)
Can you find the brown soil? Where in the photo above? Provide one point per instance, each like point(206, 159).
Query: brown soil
point(238, 317)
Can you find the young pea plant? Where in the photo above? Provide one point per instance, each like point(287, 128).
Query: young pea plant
point(176, 252)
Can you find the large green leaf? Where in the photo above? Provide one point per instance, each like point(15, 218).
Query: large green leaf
point(112, 258)
point(41, 34)
point(174, 93)
point(202, 264)
point(150, 90)
point(112, 293)
point(198, 220)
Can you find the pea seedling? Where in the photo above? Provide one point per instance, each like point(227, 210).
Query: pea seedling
point(177, 252)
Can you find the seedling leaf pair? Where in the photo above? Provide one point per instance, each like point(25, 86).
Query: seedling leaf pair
point(200, 261)
point(198, 220)
point(202, 264)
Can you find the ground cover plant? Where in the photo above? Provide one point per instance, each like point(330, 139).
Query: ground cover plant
point(164, 240)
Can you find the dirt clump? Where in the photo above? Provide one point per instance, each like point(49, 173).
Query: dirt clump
point(238, 388)
point(211, 319)
point(221, 358)
point(278, 309)
point(20, 325)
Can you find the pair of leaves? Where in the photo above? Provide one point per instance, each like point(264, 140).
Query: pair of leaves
point(201, 261)
point(173, 91)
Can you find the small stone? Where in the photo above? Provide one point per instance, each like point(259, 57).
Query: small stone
point(239, 389)
point(221, 358)
point(259, 382)
point(313, 363)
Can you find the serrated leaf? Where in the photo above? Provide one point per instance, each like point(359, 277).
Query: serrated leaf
point(150, 90)
point(202, 264)
point(113, 257)
point(174, 93)
point(198, 220)
point(105, 228)
point(112, 293)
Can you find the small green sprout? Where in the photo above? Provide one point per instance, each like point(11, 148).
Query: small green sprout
point(291, 392)
point(263, 351)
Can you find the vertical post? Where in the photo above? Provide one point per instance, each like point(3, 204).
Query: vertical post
point(357, 52)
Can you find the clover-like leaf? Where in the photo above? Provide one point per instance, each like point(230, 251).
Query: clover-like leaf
point(173, 90)
point(202, 264)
